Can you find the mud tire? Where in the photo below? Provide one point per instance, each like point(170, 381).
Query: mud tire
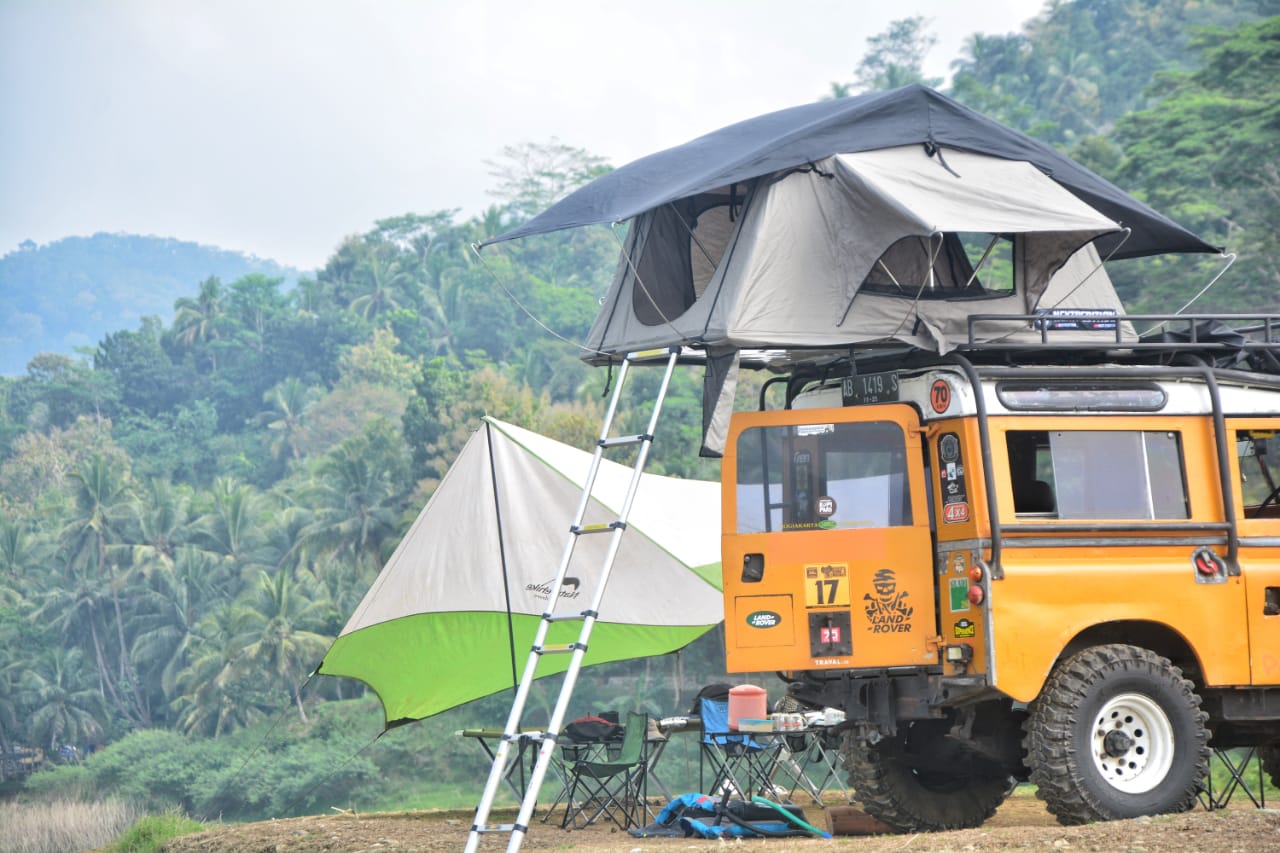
point(898, 781)
point(1160, 757)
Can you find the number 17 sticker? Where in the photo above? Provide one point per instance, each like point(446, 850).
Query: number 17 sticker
point(826, 585)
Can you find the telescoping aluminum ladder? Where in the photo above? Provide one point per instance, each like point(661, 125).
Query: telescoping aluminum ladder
point(512, 731)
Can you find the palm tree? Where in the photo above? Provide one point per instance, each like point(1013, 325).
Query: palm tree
point(235, 527)
point(91, 541)
point(211, 692)
point(277, 626)
point(355, 502)
point(289, 400)
point(77, 608)
point(382, 281)
point(20, 551)
point(161, 519)
point(164, 626)
point(13, 662)
point(200, 320)
point(64, 708)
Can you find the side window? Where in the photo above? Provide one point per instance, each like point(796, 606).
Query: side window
point(1097, 474)
point(1258, 452)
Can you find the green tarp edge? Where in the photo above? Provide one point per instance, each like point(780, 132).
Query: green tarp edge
point(402, 658)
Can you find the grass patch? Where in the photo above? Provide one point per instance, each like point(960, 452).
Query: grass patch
point(148, 833)
point(60, 825)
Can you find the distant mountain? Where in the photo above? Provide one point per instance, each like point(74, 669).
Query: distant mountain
point(75, 291)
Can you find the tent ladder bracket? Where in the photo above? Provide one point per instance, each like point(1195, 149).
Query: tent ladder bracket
point(588, 617)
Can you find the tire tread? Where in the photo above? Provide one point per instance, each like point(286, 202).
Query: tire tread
point(1048, 730)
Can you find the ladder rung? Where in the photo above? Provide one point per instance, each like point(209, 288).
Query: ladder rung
point(598, 528)
point(559, 648)
point(531, 734)
point(568, 617)
point(646, 354)
point(494, 827)
point(624, 440)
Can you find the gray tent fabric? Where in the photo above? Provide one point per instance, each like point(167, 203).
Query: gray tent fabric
point(858, 248)
point(791, 138)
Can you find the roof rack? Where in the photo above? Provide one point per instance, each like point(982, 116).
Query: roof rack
point(1180, 331)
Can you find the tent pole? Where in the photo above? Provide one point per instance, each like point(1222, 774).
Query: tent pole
point(502, 556)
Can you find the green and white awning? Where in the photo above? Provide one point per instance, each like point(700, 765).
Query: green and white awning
point(453, 613)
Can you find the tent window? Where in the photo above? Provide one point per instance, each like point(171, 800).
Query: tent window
point(904, 268)
point(707, 244)
point(686, 241)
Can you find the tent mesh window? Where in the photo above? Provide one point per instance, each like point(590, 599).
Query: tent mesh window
point(684, 246)
point(903, 270)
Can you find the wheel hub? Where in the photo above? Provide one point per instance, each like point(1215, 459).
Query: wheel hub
point(1117, 743)
point(1132, 743)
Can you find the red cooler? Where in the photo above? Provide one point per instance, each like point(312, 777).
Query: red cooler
point(747, 702)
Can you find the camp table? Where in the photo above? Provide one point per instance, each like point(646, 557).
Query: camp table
point(527, 742)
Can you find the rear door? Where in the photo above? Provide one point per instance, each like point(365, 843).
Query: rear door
point(1257, 477)
point(827, 551)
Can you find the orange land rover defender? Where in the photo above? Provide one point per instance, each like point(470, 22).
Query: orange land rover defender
point(1003, 569)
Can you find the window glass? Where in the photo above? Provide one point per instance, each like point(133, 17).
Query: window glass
point(1097, 474)
point(822, 476)
point(1259, 456)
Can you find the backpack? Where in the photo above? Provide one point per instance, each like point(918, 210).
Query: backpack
point(714, 692)
point(591, 730)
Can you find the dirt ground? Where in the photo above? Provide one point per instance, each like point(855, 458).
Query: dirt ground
point(1022, 823)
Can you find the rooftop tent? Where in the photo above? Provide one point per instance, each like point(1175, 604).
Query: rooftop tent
point(453, 613)
point(794, 137)
point(900, 243)
point(888, 217)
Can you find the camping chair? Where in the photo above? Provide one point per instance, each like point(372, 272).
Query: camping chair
point(740, 764)
point(612, 787)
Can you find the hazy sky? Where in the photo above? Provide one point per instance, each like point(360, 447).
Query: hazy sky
point(277, 128)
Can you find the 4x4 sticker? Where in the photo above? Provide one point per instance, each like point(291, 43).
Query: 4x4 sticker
point(887, 610)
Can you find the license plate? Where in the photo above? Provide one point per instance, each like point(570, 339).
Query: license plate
point(869, 388)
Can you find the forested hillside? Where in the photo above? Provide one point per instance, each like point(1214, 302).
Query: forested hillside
point(188, 516)
point(68, 293)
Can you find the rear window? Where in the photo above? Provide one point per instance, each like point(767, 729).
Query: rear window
point(822, 477)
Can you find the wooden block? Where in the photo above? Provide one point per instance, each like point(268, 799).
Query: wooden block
point(847, 820)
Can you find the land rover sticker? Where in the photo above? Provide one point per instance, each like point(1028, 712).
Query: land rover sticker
point(886, 608)
point(964, 629)
point(764, 619)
